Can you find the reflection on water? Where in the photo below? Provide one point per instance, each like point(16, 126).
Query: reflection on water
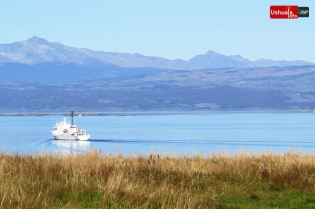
point(72, 145)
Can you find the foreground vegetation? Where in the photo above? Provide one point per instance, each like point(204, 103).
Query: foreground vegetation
point(96, 180)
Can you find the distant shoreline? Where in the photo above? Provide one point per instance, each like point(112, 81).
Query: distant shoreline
point(133, 113)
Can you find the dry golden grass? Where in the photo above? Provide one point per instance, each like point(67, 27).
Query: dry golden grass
point(96, 180)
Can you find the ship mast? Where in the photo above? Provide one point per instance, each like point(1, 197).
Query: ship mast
point(71, 117)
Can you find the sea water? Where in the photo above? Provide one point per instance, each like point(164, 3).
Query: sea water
point(172, 133)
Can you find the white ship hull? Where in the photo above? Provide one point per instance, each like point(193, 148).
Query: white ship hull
point(72, 137)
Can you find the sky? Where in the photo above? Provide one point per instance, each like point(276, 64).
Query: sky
point(165, 28)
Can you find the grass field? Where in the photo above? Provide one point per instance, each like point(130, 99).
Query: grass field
point(96, 180)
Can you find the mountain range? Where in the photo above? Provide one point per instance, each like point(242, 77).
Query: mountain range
point(37, 75)
point(38, 50)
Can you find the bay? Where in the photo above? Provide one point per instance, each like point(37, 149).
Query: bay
point(172, 133)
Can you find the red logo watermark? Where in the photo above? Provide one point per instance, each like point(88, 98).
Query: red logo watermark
point(284, 12)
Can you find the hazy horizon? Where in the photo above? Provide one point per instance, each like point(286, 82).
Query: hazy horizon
point(173, 30)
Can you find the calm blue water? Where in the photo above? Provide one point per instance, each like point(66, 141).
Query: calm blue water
point(171, 133)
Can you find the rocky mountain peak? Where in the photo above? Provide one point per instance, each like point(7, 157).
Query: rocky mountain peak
point(37, 41)
point(212, 54)
point(237, 56)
